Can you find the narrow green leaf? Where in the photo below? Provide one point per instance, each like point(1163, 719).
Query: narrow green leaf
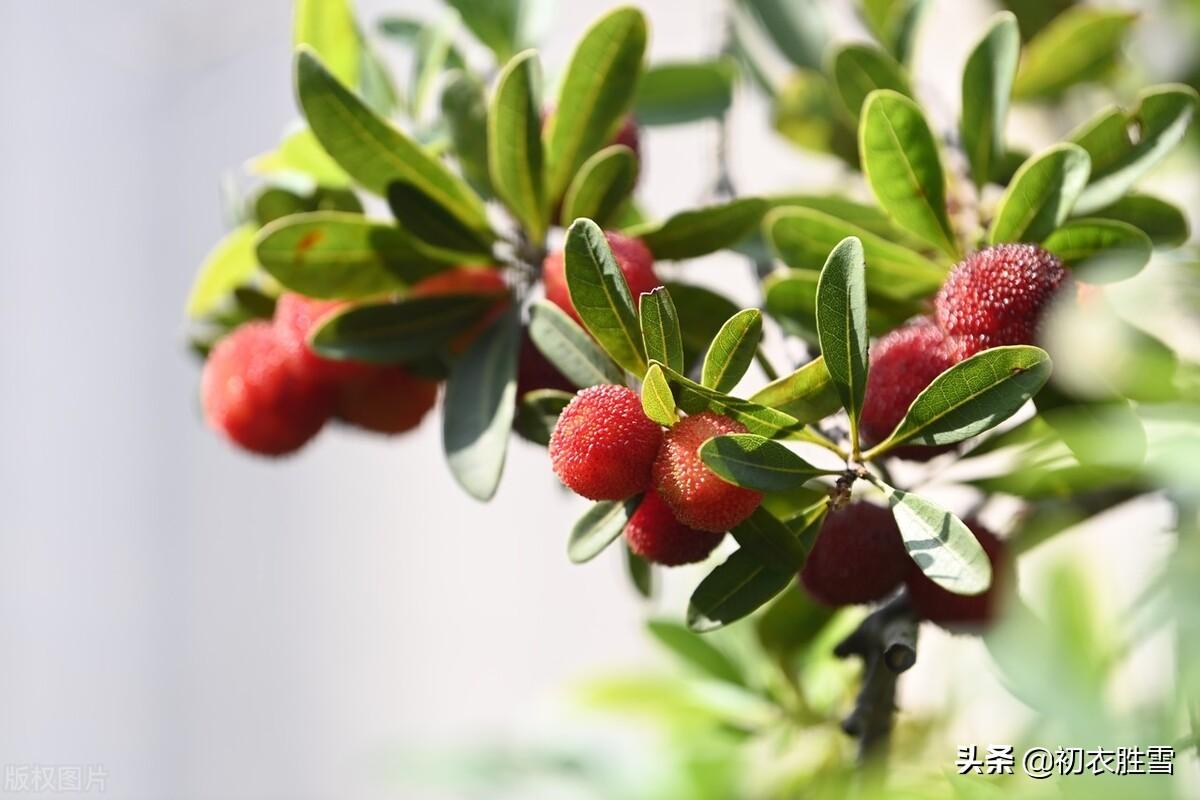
point(791, 298)
point(805, 111)
point(432, 53)
point(1163, 222)
point(599, 527)
point(940, 544)
point(597, 90)
point(808, 394)
point(695, 651)
point(1125, 145)
point(694, 398)
point(771, 542)
point(701, 313)
point(538, 412)
point(657, 400)
point(641, 573)
point(986, 91)
point(569, 348)
point(971, 397)
point(894, 23)
point(300, 154)
point(864, 216)
point(660, 329)
point(797, 28)
point(602, 186)
point(1101, 250)
point(691, 234)
point(1041, 195)
point(669, 94)
point(401, 331)
point(329, 28)
point(477, 413)
point(734, 590)
point(842, 325)
point(375, 82)
point(755, 462)
point(1081, 44)
point(495, 23)
point(1034, 15)
point(230, 264)
point(435, 225)
point(601, 296)
point(859, 69)
point(371, 150)
point(465, 111)
point(732, 350)
point(900, 159)
point(515, 143)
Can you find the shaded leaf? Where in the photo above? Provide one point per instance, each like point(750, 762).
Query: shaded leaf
point(695, 651)
point(464, 110)
point(641, 573)
point(691, 234)
point(569, 347)
point(842, 325)
point(515, 143)
point(1081, 44)
point(860, 69)
point(894, 23)
point(1041, 195)
point(601, 296)
point(805, 112)
point(657, 400)
point(538, 412)
point(986, 91)
point(808, 394)
point(940, 544)
point(669, 94)
point(435, 225)
point(755, 462)
point(400, 331)
point(602, 186)
point(734, 589)
point(599, 527)
point(791, 298)
point(1100, 250)
point(660, 329)
point(701, 313)
point(1163, 222)
point(797, 28)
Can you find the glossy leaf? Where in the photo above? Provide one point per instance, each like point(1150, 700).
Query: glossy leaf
point(538, 412)
point(894, 23)
point(515, 143)
point(1079, 45)
point(329, 28)
point(401, 331)
point(695, 651)
point(695, 233)
point(694, 398)
point(669, 94)
point(601, 296)
point(1041, 195)
point(701, 313)
point(602, 186)
point(569, 347)
point(842, 324)
point(465, 112)
point(230, 264)
point(900, 159)
point(939, 543)
point(732, 350)
point(477, 413)
point(860, 69)
point(597, 90)
point(733, 590)
point(1101, 250)
point(1163, 222)
point(599, 527)
point(661, 333)
point(986, 91)
point(657, 400)
point(808, 394)
point(756, 462)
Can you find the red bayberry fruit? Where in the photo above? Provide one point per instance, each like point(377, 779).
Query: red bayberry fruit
point(534, 370)
point(627, 135)
point(957, 611)
point(633, 257)
point(386, 400)
point(998, 296)
point(903, 363)
point(604, 444)
point(697, 495)
point(858, 557)
point(655, 535)
point(255, 391)
point(467, 280)
point(295, 317)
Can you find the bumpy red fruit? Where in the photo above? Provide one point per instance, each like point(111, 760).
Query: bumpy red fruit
point(633, 257)
point(255, 392)
point(697, 495)
point(956, 611)
point(604, 444)
point(903, 363)
point(295, 317)
point(858, 557)
point(386, 400)
point(998, 296)
point(655, 535)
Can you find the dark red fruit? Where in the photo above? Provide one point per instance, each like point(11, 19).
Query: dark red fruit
point(256, 391)
point(386, 400)
point(295, 318)
point(534, 370)
point(858, 557)
point(633, 257)
point(604, 444)
point(998, 297)
point(628, 135)
point(957, 611)
point(655, 535)
point(697, 495)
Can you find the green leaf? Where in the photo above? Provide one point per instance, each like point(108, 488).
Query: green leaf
point(371, 150)
point(660, 329)
point(734, 590)
point(669, 94)
point(538, 412)
point(971, 397)
point(464, 110)
point(599, 527)
point(477, 413)
point(1163, 222)
point(894, 23)
point(863, 216)
point(395, 332)
point(602, 187)
point(792, 623)
point(333, 255)
point(1101, 250)
point(755, 462)
point(694, 398)
point(641, 573)
point(601, 296)
point(805, 112)
point(791, 298)
point(940, 544)
point(1081, 44)
point(1034, 15)
point(1041, 195)
point(732, 350)
point(301, 154)
point(860, 69)
point(329, 28)
point(695, 651)
point(803, 238)
point(797, 28)
point(515, 143)
point(691, 234)
point(596, 92)
point(434, 225)
point(986, 91)
point(375, 82)
point(1125, 145)
point(842, 325)
point(771, 542)
point(230, 264)
point(495, 23)
point(701, 314)
point(808, 394)
point(569, 348)
point(901, 162)
point(657, 400)
point(434, 46)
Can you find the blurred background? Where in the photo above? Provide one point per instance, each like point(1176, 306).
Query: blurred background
point(345, 623)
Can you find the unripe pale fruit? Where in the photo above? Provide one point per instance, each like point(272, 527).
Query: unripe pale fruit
point(698, 496)
point(903, 363)
point(633, 257)
point(467, 280)
point(858, 557)
point(386, 400)
point(604, 444)
point(998, 296)
point(295, 318)
point(255, 390)
point(959, 612)
point(655, 535)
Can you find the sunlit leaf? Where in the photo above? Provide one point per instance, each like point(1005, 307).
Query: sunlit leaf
point(599, 527)
point(661, 333)
point(657, 400)
point(602, 187)
point(230, 264)
point(986, 90)
point(732, 350)
point(734, 589)
point(939, 543)
point(1081, 44)
point(1100, 250)
point(860, 69)
point(1041, 195)
point(601, 296)
point(808, 394)
point(695, 233)
point(515, 143)
point(842, 324)
point(755, 462)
